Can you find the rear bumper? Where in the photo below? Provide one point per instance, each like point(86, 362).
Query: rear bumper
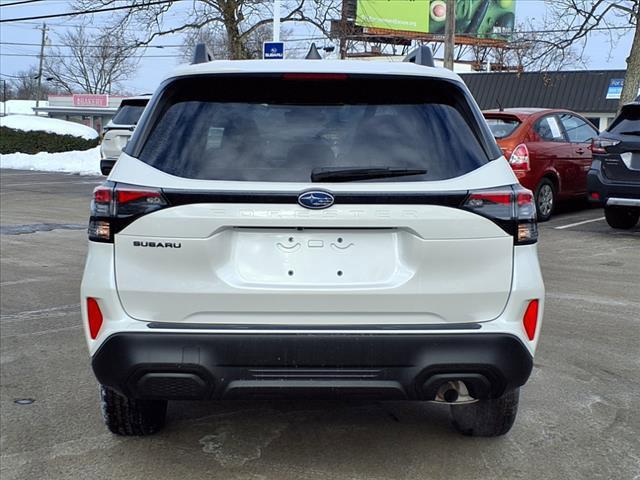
point(214, 366)
point(621, 193)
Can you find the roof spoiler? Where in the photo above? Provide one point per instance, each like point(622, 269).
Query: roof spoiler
point(201, 54)
point(421, 56)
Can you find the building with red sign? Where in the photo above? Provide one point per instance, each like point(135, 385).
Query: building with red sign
point(92, 110)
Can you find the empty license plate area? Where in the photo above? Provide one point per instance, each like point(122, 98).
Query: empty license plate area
point(317, 257)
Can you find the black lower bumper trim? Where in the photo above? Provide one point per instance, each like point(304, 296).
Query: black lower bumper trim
point(233, 365)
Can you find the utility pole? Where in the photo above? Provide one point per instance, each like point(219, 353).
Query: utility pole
point(4, 97)
point(39, 89)
point(343, 31)
point(276, 20)
point(449, 34)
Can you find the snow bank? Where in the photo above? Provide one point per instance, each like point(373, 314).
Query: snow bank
point(24, 107)
point(86, 162)
point(52, 125)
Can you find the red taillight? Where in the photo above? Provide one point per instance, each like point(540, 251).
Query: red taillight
point(512, 208)
point(102, 194)
point(599, 145)
point(530, 319)
point(524, 197)
point(502, 198)
point(594, 196)
point(315, 76)
point(519, 158)
point(115, 205)
point(126, 196)
point(94, 316)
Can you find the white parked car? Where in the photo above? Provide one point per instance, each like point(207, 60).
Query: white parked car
point(324, 228)
point(119, 129)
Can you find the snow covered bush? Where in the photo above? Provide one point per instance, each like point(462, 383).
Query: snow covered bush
point(12, 141)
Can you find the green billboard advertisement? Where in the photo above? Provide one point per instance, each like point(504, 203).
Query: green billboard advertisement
point(484, 18)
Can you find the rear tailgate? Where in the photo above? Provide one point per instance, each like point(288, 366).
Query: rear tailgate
point(395, 250)
point(283, 264)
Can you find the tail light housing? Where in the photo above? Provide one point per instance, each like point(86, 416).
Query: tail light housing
point(599, 145)
point(114, 206)
point(512, 208)
point(519, 158)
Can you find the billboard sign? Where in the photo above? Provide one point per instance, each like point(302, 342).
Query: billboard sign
point(482, 18)
point(90, 100)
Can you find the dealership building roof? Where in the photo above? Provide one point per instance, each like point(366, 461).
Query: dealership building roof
point(581, 90)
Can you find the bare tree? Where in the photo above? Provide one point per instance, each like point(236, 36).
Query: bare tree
point(215, 38)
point(569, 22)
point(24, 84)
point(91, 63)
point(239, 21)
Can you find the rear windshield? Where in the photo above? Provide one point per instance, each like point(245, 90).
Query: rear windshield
point(275, 129)
point(502, 127)
point(129, 113)
point(628, 122)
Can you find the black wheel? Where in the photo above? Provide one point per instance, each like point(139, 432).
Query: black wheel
point(545, 199)
point(620, 217)
point(487, 418)
point(129, 416)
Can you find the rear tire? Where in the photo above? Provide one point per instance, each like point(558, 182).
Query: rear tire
point(487, 418)
point(620, 217)
point(545, 197)
point(131, 417)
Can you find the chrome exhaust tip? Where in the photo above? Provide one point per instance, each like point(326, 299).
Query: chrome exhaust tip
point(454, 392)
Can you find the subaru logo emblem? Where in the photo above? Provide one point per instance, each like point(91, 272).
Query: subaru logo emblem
point(315, 199)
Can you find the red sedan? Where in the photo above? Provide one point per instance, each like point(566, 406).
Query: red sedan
point(549, 151)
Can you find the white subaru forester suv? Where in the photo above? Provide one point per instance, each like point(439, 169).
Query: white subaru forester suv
point(312, 228)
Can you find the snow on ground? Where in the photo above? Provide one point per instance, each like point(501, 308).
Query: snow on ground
point(24, 107)
point(85, 162)
point(46, 124)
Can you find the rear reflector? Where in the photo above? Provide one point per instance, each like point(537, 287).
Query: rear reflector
point(94, 316)
point(594, 196)
point(530, 319)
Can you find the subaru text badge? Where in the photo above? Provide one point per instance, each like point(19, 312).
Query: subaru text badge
point(315, 199)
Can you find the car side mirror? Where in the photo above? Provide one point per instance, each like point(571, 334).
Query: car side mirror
point(107, 165)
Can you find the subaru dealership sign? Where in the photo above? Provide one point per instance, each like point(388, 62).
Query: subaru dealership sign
point(273, 50)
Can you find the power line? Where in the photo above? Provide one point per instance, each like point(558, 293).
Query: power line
point(93, 56)
point(14, 76)
point(18, 3)
point(27, 44)
point(85, 12)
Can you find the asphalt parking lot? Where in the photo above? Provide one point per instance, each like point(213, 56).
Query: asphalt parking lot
point(578, 414)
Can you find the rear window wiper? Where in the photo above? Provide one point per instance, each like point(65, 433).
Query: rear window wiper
point(352, 174)
point(631, 132)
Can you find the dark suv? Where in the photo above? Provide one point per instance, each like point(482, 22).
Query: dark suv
point(614, 178)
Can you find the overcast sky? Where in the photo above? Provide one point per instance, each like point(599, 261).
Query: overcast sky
point(14, 58)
